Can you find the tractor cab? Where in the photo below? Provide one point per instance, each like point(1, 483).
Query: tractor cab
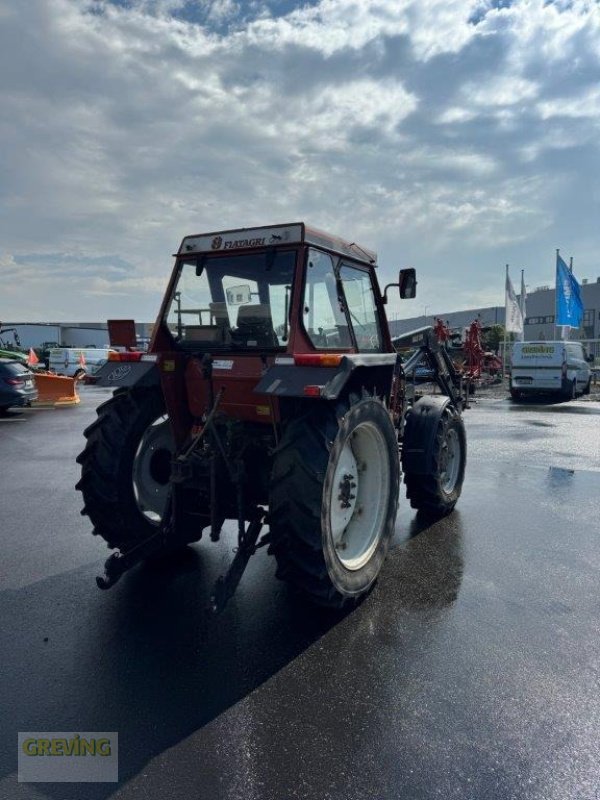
point(271, 290)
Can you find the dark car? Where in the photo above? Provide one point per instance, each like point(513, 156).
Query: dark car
point(17, 387)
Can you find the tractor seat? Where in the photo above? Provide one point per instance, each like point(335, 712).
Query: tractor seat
point(255, 326)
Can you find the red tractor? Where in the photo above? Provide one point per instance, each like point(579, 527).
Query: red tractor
point(271, 394)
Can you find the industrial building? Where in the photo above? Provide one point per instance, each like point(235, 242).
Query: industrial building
point(539, 319)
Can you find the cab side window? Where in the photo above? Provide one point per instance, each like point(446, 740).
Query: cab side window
point(323, 310)
point(360, 301)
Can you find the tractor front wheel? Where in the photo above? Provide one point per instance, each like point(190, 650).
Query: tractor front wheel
point(334, 498)
point(437, 491)
point(125, 467)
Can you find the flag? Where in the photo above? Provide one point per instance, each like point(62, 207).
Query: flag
point(513, 318)
point(569, 307)
point(523, 299)
point(32, 358)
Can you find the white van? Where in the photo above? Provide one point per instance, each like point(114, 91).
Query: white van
point(557, 367)
point(68, 361)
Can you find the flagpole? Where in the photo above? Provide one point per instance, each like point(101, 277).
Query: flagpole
point(567, 331)
point(522, 303)
point(505, 322)
point(556, 293)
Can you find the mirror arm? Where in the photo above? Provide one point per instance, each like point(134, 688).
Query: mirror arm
point(384, 299)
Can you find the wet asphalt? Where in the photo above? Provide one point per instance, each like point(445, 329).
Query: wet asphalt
point(471, 671)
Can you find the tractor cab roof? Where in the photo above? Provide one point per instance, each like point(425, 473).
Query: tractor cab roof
point(272, 235)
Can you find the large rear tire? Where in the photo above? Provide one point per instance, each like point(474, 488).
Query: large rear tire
point(334, 499)
point(437, 491)
point(125, 467)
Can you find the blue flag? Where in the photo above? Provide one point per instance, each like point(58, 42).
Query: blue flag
point(569, 308)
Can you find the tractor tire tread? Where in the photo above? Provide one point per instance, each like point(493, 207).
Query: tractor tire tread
point(423, 491)
point(108, 500)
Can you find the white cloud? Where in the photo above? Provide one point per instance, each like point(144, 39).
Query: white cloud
point(424, 127)
point(456, 114)
point(131, 287)
point(583, 106)
point(505, 90)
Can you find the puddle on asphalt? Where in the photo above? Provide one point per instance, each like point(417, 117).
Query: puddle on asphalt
point(559, 474)
point(556, 409)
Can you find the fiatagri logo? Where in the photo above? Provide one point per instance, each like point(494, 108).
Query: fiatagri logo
point(88, 757)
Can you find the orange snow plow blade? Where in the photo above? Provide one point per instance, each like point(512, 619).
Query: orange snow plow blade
point(55, 390)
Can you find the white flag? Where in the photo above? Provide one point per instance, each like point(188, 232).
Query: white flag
point(513, 319)
point(522, 303)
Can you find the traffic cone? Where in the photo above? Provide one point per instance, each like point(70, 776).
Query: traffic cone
point(32, 359)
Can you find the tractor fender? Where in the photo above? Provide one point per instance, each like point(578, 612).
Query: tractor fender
point(419, 433)
point(289, 380)
point(128, 373)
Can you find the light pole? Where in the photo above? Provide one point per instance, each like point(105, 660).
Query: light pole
point(425, 313)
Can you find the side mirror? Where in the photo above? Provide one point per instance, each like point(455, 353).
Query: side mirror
point(407, 283)
point(590, 359)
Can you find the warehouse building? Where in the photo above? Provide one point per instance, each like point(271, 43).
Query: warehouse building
point(539, 319)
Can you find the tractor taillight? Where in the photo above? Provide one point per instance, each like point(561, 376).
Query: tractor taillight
point(317, 359)
point(133, 355)
point(312, 391)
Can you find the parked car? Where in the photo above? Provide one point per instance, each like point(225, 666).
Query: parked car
point(559, 368)
point(17, 387)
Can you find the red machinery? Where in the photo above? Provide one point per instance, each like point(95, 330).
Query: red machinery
point(475, 360)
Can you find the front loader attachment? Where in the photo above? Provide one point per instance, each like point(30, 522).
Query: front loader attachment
point(432, 354)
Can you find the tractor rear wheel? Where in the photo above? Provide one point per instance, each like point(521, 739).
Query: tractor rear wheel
point(125, 467)
point(334, 499)
point(437, 491)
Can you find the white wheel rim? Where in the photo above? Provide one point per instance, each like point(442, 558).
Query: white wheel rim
point(151, 469)
point(450, 461)
point(359, 496)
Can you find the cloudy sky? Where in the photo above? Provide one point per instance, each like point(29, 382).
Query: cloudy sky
point(450, 135)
